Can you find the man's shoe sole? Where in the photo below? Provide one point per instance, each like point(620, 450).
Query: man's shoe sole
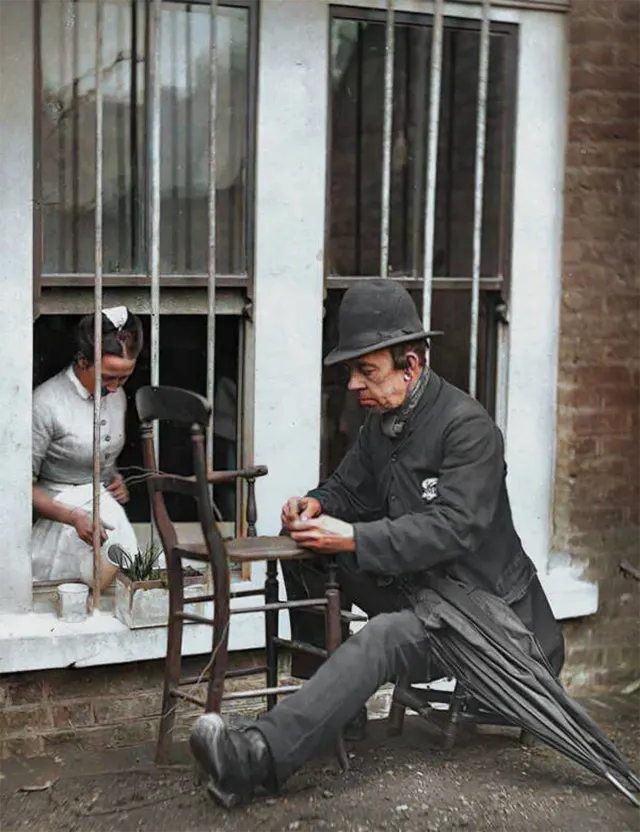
point(204, 747)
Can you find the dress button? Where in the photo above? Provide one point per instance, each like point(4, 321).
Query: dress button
point(103, 422)
point(107, 439)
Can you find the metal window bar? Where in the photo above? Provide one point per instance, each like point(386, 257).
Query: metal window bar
point(211, 306)
point(154, 76)
point(389, 51)
point(481, 133)
point(97, 393)
point(432, 165)
point(432, 159)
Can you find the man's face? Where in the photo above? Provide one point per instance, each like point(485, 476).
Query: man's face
point(377, 381)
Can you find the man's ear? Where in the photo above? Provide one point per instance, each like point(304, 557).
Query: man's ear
point(413, 363)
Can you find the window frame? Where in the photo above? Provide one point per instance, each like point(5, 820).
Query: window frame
point(243, 283)
point(501, 281)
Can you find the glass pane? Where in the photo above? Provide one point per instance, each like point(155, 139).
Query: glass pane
point(358, 50)
point(67, 167)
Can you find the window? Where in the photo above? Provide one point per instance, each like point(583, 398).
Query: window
point(144, 57)
point(67, 135)
point(355, 205)
point(357, 113)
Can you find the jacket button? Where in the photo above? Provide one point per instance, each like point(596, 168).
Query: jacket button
point(394, 458)
point(392, 498)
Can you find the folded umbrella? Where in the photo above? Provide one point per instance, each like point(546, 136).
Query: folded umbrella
point(484, 645)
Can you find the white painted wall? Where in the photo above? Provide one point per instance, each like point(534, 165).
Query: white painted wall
point(292, 135)
point(16, 299)
point(290, 200)
point(535, 292)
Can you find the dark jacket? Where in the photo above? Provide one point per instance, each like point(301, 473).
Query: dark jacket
point(433, 500)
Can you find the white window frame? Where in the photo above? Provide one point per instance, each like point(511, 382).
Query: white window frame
point(288, 304)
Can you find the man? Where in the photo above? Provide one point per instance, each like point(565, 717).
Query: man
point(422, 492)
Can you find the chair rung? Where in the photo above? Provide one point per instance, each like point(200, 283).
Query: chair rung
point(279, 606)
point(410, 699)
point(192, 616)
point(180, 694)
point(249, 694)
point(230, 674)
point(301, 647)
point(198, 599)
point(429, 696)
point(345, 615)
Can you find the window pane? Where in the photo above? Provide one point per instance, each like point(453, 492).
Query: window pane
point(358, 50)
point(67, 167)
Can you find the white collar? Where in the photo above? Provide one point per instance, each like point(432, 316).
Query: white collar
point(81, 390)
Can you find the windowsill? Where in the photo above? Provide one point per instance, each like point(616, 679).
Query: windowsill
point(570, 595)
point(40, 641)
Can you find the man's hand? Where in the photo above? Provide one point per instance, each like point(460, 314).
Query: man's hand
point(323, 534)
point(299, 508)
point(118, 489)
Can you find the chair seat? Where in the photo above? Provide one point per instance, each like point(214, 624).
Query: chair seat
point(247, 549)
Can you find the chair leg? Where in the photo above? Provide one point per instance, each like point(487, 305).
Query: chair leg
point(395, 720)
point(458, 698)
point(172, 665)
point(334, 637)
point(271, 630)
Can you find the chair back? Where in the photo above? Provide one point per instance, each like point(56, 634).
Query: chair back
point(183, 407)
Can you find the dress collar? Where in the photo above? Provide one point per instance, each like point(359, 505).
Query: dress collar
point(81, 390)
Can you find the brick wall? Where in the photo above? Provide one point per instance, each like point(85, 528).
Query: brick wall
point(597, 479)
point(103, 707)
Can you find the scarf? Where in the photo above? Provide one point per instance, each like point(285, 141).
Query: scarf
point(393, 421)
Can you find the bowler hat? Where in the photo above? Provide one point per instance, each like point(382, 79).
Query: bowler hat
point(375, 314)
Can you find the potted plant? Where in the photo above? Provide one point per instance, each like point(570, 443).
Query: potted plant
point(142, 587)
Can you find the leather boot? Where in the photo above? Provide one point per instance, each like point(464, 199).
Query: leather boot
point(237, 761)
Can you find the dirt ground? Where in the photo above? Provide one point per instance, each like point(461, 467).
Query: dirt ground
point(487, 783)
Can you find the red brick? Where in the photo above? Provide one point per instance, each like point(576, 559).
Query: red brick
point(627, 11)
point(72, 714)
point(593, 424)
point(24, 719)
point(585, 55)
point(620, 396)
point(590, 30)
point(603, 375)
point(605, 131)
point(578, 397)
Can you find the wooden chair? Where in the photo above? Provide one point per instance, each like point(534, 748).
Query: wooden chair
point(183, 407)
point(463, 711)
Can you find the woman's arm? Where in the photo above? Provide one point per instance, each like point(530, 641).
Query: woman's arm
point(43, 504)
point(51, 509)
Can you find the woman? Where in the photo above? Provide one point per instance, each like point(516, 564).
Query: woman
point(61, 540)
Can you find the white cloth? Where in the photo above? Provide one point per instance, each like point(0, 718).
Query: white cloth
point(118, 315)
point(56, 550)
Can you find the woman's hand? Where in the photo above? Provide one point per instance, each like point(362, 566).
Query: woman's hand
point(118, 489)
point(81, 522)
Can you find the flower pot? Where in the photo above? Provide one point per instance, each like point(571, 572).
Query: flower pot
point(140, 604)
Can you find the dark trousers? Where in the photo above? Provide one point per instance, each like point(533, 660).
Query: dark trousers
point(393, 643)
